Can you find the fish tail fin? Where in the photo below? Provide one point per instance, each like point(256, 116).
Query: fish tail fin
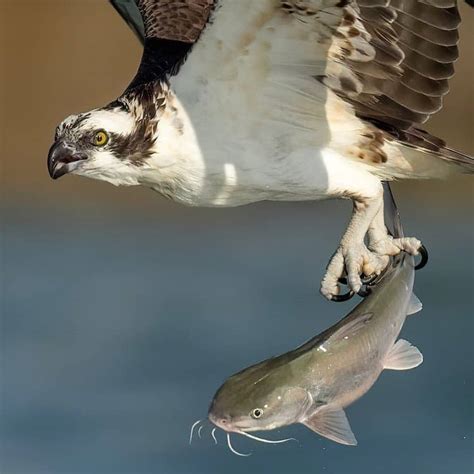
point(392, 215)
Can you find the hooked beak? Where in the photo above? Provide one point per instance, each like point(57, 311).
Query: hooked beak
point(62, 159)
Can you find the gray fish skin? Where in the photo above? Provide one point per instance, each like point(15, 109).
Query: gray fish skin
point(315, 382)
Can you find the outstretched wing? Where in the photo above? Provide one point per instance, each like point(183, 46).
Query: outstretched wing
point(167, 29)
point(181, 20)
point(389, 59)
point(413, 47)
point(128, 10)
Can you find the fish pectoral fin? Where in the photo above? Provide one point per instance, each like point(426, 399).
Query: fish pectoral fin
point(414, 305)
point(403, 356)
point(332, 423)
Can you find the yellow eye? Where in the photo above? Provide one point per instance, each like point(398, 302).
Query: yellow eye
point(100, 138)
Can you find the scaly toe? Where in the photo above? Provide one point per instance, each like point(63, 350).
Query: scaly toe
point(410, 245)
point(391, 247)
point(335, 269)
point(353, 261)
point(354, 264)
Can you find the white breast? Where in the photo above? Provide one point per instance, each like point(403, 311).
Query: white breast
point(259, 124)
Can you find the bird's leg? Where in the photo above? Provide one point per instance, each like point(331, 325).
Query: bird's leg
point(352, 255)
point(384, 245)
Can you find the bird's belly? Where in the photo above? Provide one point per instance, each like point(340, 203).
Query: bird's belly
point(252, 173)
point(238, 177)
point(259, 148)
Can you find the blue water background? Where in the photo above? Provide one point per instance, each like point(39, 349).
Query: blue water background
point(118, 327)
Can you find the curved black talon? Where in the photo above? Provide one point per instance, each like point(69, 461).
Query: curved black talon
point(344, 297)
point(424, 258)
point(366, 280)
point(369, 279)
point(363, 292)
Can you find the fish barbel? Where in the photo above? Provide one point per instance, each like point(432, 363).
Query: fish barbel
point(313, 383)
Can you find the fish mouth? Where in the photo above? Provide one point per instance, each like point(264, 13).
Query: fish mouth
point(222, 422)
point(232, 426)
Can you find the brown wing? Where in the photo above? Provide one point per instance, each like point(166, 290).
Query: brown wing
point(177, 20)
point(168, 29)
point(391, 59)
point(417, 42)
point(415, 45)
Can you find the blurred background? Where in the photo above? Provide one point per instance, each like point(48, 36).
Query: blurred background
point(122, 313)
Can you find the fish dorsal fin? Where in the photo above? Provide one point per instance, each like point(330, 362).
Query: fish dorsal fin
point(351, 328)
point(332, 424)
point(414, 305)
point(403, 356)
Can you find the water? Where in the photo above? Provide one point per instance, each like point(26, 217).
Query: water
point(118, 328)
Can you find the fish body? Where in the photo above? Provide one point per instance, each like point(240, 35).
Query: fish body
point(313, 383)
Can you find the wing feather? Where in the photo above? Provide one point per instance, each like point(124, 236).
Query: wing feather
point(403, 83)
point(129, 12)
point(167, 29)
point(389, 59)
point(176, 20)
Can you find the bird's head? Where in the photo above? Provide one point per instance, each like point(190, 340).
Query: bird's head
point(113, 143)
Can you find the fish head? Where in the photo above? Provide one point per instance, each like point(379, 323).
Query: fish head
point(252, 401)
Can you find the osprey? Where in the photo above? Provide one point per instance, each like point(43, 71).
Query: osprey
point(238, 101)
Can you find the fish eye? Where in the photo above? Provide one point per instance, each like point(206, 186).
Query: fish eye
point(256, 413)
point(100, 138)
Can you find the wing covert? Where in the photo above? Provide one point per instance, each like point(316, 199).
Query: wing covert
point(391, 60)
point(175, 20)
point(167, 29)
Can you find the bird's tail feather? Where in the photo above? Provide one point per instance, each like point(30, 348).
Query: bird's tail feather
point(466, 162)
point(425, 142)
point(428, 156)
